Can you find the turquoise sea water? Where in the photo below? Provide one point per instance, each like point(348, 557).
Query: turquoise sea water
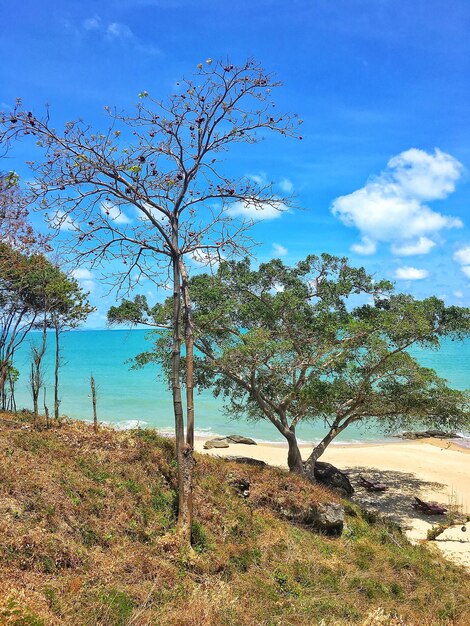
point(130, 397)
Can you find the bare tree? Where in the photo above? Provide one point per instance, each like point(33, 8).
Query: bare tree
point(150, 192)
point(93, 401)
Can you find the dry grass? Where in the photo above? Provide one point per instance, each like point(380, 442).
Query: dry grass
point(86, 527)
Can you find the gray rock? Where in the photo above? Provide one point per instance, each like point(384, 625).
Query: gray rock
point(331, 477)
point(241, 485)
point(241, 439)
point(220, 442)
point(246, 460)
point(327, 518)
point(424, 434)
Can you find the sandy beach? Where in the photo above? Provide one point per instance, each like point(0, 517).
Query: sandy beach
point(431, 469)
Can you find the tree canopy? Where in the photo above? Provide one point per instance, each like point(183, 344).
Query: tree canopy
point(297, 344)
point(34, 293)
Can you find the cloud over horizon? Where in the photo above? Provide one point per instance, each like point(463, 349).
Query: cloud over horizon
point(391, 208)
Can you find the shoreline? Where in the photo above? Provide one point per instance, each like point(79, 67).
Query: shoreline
point(451, 443)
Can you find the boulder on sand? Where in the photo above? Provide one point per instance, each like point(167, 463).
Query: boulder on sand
point(241, 439)
point(219, 442)
point(425, 434)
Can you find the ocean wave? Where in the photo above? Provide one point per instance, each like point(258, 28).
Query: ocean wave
point(127, 424)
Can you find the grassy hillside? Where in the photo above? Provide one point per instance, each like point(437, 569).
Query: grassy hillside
point(86, 525)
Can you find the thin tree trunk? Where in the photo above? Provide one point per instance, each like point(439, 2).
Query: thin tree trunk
point(38, 354)
point(3, 376)
point(56, 372)
point(46, 409)
point(93, 400)
point(183, 452)
point(11, 403)
point(3, 381)
point(34, 393)
point(189, 343)
point(294, 458)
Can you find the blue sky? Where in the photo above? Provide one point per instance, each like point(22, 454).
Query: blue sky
point(382, 86)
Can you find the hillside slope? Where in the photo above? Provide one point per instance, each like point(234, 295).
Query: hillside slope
point(86, 525)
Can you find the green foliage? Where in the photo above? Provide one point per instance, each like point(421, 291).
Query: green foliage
point(199, 538)
point(120, 606)
point(14, 614)
point(34, 293)
point(290, 344)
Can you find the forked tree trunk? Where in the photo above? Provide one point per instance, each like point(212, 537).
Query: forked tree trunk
point(183, 451)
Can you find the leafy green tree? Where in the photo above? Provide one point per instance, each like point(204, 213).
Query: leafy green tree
point(34, 294)
point(68, 309)
point(288, 345)
point(19, 303)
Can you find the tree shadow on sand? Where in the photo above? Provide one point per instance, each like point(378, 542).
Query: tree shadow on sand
point(397, 502)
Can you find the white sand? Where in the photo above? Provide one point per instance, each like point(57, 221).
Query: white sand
point(430, 469)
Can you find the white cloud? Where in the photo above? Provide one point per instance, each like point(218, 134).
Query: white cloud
point(114, 213)
point(286, 185)
point(422, 246)
point(85, 277)
point(280, 250)
point(411, 273)
point(81, 273)
point(257, 211)
point(367, 246)
point(390, 207)
point(458, 294)
point(62, 222)
point(92, 23)
point(462, 256)
point(88, 285)
point(259, 179)
point(116, 30)
point(206, 257)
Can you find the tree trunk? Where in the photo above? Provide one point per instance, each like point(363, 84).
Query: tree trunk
point(56, 372)
point(189, 343)
point(318, 450)
point(93, 400)
point(34, 393)
point(38, 354)
point(3, 380)
point(46, 410)
point(183, 452)
point(294, 458)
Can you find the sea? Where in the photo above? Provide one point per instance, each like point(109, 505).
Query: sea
point(128, 398)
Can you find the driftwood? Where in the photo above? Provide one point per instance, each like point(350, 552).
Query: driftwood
point(429, 508)
point(371, 485)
